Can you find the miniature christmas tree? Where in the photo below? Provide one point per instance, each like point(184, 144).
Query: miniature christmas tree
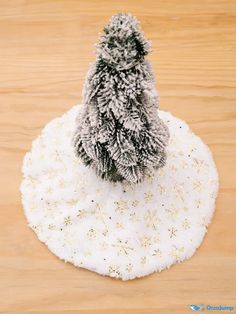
point(119, 132)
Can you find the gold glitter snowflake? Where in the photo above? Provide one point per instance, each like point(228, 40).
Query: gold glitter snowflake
point(87, 253)
point(148, 196)
point(82, 213)
point(143, 260)
point(99, 213)
point(67, 221)
point(161, 188)
point(151, 219)
point(177, 253)
point(91, 234)
point(186, 224)
point(184, 164)
point(157, 252)
point(121, 206)
point(33, 181)
point(198, 164)
point(156, 237)
point(178, 189)
point(105, 232)
point(172, 232)
point(173, 168)
point(123, 247)
point(150, 177)
point(135, 203)
point(62, 183)
point(51, 227)
point(172, 213)
point(51, 173)
point(145, 241)
point(198, 202)
point(129, 267)
point(119, 225)
point(72, 202)
point(114, 271)
point(103, 245)
point(134, 217)
point(197, 185)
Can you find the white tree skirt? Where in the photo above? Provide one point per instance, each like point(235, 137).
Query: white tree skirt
point(115, 229)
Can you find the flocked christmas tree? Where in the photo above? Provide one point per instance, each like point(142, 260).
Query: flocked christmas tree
point(119, 132)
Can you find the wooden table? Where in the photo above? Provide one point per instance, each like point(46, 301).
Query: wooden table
point(45, 50)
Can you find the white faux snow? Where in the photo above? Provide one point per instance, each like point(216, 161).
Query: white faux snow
point(119, 230)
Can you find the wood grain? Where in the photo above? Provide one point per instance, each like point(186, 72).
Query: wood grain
point(45, 50)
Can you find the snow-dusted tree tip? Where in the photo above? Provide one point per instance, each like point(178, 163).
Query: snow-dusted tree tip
point(120, 133)
point(123, 43)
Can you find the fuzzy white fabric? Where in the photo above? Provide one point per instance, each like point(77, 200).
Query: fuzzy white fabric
point(115, 229)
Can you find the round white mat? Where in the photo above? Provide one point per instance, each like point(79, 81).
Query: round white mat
point(115, 229)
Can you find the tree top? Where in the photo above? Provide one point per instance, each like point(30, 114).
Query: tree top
point(123, 44)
